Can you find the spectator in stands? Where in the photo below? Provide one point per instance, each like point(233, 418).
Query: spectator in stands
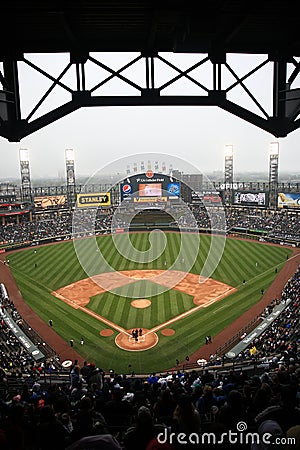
point(138, 437)
point(233, 411)
point(95, 376)
point(262, 399)
point(88, 421)
point(85, 370)
point(186, 417)
point(164, 406)
point(50, 433)
point(206, 402)
point(78, 392)
point(117, 410)
point(75, 377)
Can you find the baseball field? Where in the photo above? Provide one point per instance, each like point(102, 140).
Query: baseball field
point(174, 318)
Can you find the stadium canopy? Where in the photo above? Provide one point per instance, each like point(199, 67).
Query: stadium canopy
point(212, 30)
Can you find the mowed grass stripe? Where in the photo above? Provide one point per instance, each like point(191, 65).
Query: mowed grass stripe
point(173, 249)
point(57, 264)
point(122, 248)
point(114, 304)
point(247, 258)
point(138, 242)
point(104, 244)
point(234, 266)
point(110, 254)
point(202, 254)
point(66, 267)
point(156, 264)
point(239, 261)
point(141, 242)
point(64, 270)
point(147, 316)
point(231, 269)
point(102, 304)
point(262, 257)
point(121, 304)
point(164, 307)
point(123, 317)
point(266, 256)
point(107, 249)
point(175, 305)
point(132, 318)
point(140, 319)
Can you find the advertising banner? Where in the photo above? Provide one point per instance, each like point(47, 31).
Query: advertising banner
point(50, 201)
point(289, 200)
point(149, 199)
point(93, 200)
point(24, 340)
point(249, 198)
point(212, 198)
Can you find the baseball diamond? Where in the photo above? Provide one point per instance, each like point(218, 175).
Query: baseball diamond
point(190, 309)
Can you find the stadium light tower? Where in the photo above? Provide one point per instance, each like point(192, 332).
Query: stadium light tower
point(228, 173)
point(273, 174)
point(70, 171)
point(26, 191)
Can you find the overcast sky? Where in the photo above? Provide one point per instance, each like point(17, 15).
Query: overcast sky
point(102, 135)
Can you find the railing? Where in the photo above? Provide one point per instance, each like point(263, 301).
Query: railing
point(220, 351)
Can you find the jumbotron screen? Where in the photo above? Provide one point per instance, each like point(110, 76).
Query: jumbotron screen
point(150, 190)
point(250, 198)
point(150, 187)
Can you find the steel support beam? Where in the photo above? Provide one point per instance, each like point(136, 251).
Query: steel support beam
point(277, 122)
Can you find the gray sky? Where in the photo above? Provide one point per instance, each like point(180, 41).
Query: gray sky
point(102, 135)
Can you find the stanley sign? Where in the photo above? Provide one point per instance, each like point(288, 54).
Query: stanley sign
point(93, 200)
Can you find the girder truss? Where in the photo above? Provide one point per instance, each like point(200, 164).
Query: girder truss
point(213, 81)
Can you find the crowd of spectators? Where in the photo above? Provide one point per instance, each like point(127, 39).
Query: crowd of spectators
point(42, 227)
point(281, 339)
point(54, 225)
point(14, 357)
point(13, 354)
point(132, 413)
point(276, 225)
point(93, 409)
point(116, 411)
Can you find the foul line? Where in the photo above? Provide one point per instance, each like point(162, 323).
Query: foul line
point(191, 311)
point(91, 313)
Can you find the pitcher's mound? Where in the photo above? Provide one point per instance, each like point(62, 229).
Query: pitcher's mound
point(141, 303)
point(127, 342)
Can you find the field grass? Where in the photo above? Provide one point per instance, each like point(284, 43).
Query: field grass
point(119, 310)
point(57, 266)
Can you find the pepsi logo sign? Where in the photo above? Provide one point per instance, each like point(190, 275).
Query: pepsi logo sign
point(126, 189)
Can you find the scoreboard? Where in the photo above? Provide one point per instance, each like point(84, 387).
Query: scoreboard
point(151, 188)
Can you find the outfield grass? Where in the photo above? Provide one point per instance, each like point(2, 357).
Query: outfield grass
point(57, 266)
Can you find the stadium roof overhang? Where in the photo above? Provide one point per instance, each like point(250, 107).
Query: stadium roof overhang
point(211, 29)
